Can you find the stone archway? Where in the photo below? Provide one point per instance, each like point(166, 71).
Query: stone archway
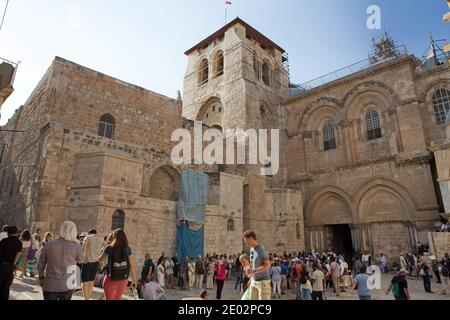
point(329, 206)
point(211, 113)
point(329, 219)
point(384, 210)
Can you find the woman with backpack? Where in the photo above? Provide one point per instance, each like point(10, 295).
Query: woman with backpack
point(120, 267)
point(200, 271)
point(444, 277)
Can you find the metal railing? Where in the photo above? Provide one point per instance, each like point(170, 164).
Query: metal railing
point(399, 51)
point(14, 64)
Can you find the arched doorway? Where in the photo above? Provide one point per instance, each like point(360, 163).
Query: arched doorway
point(329, 219)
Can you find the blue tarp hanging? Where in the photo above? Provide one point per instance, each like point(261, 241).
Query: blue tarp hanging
point(190, 243)
point(193, 197)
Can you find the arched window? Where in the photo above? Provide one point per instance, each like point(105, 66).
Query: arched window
point(373, 125)
point(219, 64)
point(298, 231)
point(118, 220)
point(230, 225)
point(441, 105)
point(329, 136)
point(107, 126)
point(266, 74)
point(203, 72)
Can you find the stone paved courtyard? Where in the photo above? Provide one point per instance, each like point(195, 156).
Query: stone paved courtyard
point(27, 289)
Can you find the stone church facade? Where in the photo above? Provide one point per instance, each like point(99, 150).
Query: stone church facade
point(364, 159)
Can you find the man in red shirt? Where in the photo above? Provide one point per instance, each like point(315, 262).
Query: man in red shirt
point(298, 270)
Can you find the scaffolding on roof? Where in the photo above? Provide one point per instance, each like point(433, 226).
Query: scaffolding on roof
point(400, 51)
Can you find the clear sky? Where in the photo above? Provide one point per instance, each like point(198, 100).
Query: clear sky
point(143, 41)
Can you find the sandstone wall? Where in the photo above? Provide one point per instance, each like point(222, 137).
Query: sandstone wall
point(439, 244)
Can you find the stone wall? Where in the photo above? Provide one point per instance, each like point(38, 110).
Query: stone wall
point(387, 182)
point(439, 243)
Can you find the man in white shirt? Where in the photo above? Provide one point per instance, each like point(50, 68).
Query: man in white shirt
point(151, 291)
point(383, 263)
point(4, 233)
point(92, 249)
point(319, 286)
point(366, 259)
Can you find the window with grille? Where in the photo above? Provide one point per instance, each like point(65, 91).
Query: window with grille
point(106, 128)
point(441, 105)
point(118, 220)
point(230, 225)
point(329, 136)
point(373, 125)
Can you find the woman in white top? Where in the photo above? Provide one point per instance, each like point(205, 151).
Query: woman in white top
point(169, 265)
point(26, 248)
point(161, 273)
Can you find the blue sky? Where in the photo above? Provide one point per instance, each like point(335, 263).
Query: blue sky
point(142, 41)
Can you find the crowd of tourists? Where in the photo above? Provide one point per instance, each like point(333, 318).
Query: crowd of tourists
point(70, 262)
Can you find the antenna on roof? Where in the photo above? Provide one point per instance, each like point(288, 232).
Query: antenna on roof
point(227, 4)
point(4, 15)
point(437, 52)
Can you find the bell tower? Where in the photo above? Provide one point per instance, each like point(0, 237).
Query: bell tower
point(235, 79)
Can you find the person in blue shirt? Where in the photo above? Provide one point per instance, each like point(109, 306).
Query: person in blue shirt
point(361, 283)
point(284, 273)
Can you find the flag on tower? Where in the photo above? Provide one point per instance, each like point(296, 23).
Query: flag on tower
point(227, 3)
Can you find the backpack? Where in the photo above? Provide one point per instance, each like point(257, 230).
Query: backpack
point(395, 289)
point(199, 268)
point(292, 272)
point(119, 268)
point(445, 272)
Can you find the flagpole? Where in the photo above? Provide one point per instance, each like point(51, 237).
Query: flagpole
point(226, 14)
point(227, 4)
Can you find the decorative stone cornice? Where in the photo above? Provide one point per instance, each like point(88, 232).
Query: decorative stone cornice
point(419, 160)
point(424, 159)
point(366, 163)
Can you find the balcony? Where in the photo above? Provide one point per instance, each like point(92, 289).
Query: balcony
point(7, 74)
